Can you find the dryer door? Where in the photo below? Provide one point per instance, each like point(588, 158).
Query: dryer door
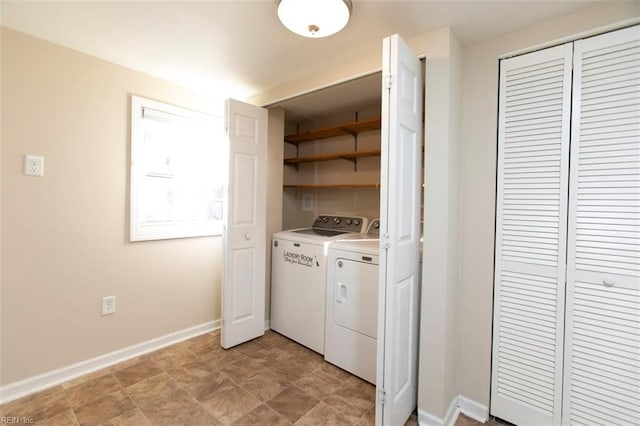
point(355, 301)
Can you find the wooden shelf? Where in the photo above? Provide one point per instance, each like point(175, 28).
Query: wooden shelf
point(352, 128)
point(339, 186)
point(333, 156)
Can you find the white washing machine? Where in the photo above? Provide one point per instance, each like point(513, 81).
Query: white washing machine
point(299, 276)
point(352, 304)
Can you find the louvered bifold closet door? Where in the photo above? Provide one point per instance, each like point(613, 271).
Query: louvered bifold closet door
point(602, 359)
point(531, 210)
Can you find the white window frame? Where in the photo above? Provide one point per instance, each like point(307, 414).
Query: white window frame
point(141, 169)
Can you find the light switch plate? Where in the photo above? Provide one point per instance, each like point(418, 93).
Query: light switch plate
point(33, 165)
point(307, 202)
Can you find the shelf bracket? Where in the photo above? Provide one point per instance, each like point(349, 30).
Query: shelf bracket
point(355, 147)
point(353, 160)
point(355, 164)
point(296, 165)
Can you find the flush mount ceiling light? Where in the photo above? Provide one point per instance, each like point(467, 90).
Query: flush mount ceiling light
point(314, 18)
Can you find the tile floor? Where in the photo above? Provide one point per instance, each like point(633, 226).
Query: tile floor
point(268, 381)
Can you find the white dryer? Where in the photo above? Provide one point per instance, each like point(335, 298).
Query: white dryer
point(299, 276)
point(352, 304)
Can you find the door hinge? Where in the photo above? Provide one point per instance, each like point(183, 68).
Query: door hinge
point(388, 81)
point(382, 396)
point(385, 241)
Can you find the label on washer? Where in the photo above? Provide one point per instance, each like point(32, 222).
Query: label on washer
point(300, 259)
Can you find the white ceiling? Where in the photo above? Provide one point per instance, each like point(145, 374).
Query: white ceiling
point(350, 96)
point(238, 48)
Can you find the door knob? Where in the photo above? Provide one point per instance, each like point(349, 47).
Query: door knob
point(247, 237)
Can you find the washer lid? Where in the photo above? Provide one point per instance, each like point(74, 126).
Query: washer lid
point(309, 236)
point(359, 245)
point(319, 232)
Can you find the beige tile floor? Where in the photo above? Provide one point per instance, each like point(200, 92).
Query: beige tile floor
point(268, 381)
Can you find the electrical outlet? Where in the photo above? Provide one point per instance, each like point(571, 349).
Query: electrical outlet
point(108, 305)
point(33, 165)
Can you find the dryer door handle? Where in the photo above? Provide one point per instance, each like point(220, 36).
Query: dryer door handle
point(341, 293)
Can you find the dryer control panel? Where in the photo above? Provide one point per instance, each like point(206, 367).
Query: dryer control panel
point(373, 231)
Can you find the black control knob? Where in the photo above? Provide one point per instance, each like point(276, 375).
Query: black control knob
point(336, 220)
point(356, 222)
point(348, 221)
point(325, 219)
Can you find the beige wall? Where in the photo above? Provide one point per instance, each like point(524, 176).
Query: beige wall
point(479, 130)
point(275, 150)
point(439, 311)
point(360, 202)
point(1, 204)
point(65, 235)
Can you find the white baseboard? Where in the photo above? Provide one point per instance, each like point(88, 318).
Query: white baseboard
point(427, 419)
point(473, 409)
point(52, 378)
point(459, 404)
point(452, 413)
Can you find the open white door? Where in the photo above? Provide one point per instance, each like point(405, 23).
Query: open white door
point(243, 279)
point(397, 372)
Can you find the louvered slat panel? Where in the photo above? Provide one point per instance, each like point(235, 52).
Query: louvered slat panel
point(607, 322)
point(531, 236)
point(603, 70)
point(601, 413)
point(527, 341)
point(602, 349)
point(597, 363)
point(616, 328)
point(621, 352)
point(614, 296)
point(619, 402)
point(601, 313)
point(545, 346)
point(608, 100)
point(544, 84)
point(605, 381)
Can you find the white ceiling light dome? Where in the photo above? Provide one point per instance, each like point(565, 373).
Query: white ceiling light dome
point(314, 18)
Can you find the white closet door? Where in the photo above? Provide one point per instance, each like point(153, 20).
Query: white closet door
point(399, 286)
point(243, 277)
point(531, 211)
point(602, 359)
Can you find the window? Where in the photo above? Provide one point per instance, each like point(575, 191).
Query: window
point(178, 164)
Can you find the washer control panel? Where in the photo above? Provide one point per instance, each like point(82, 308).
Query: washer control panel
point(341, 223)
